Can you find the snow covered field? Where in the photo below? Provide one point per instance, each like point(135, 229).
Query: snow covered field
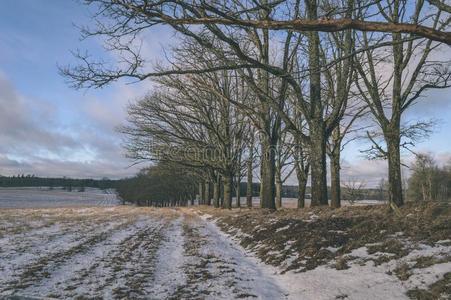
point(124, 252)
point(35, 197)
point(127, 252)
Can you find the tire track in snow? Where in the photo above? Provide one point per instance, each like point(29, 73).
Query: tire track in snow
point(128, 269)
point(169, 275)
point(31, 250)
point(216, 269)
point(41, 269)
point(61, 278)
point(120, 267)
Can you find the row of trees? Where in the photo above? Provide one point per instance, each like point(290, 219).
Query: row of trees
point(276, 86)
point(428, 181)
point(159, 185)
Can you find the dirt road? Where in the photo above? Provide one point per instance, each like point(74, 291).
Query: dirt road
point(124, 252)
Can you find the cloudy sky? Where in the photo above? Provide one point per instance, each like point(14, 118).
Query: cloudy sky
point(49, 129)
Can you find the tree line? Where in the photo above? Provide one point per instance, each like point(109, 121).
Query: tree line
point(428, 181)
point(29, 180)
point(160, 185)
point(261, 90)
point(164, 185)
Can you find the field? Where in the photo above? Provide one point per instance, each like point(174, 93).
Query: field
point(123, 251)
point(45, 197)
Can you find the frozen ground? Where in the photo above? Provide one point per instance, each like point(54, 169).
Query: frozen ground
point(348, 253)
point(129, 252)
point(124, 252)
point(57, 197)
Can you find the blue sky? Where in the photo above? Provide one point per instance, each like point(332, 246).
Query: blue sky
point(49, 129)
point(62, 131)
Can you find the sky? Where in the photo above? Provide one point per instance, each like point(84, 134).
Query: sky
point(46, 127)
point(49, 129)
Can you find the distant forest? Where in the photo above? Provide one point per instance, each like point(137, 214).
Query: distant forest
point(34, 181)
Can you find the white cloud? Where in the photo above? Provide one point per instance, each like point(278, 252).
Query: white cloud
point(32, 141)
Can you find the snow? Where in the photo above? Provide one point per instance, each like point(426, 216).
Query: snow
point(255, 278)
point(125, 252)
point(82, 261)
point(365, 281)
point(134, 252)
point(283, 228)
point(168, 272)
point(327, 283)
point(332, 249)
point(44, 197)
point(289, 260)
point(362, 280)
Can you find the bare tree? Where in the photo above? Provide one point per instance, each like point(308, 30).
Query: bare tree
point(131, 18)
point(284, 163)
point(250, 170)
point(184, 128)
point(354, 190)
point(393, 78)
point(237, 36)
point(424, 170)
point(302, 168)
point(342, 135)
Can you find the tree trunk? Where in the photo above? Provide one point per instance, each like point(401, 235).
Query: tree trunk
point(216, 190)
point(395, 194)
point(249, 190)
point(318, 164)
point(268, 143)
point(317, 124)
point(335, 179)
point(238, 192)
point(278, 188)
point(221, 192)
point(193, 195)
point(267, 190)
point(423, 188)
point(429, 177)
point(302, 187)
point(249, 185)
point(228, 180)
point(207, 193)
point(302, 170)
point(201, 193)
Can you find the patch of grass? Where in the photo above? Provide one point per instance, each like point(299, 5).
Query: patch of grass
point(345, 229)
point(393, 246)
point(438, 290)
point(341, 264)
point(427, 261)
point(402, 271)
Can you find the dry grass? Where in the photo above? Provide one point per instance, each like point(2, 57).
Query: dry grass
point(86, 229)
point(439, 290)
point(312, 237)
